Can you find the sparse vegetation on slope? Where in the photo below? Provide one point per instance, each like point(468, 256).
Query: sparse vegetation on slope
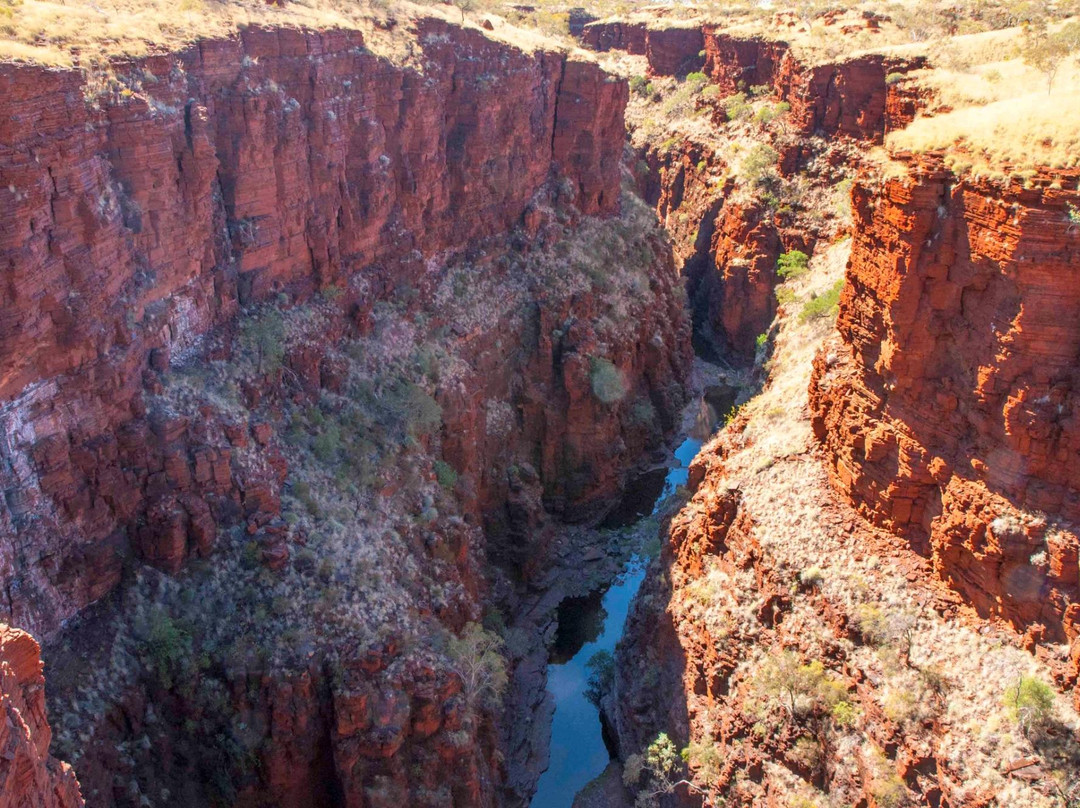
point(824, 634)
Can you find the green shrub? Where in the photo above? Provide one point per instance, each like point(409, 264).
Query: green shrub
point(736, 107)
point(845, 714)
point(1031, 702)
point(759, 164)
point(301, 489)
point(894, 78)
point(824, 305)
point(768, 114)
point(784, 295)
point(792, 264)
point(446, 474)
point(606, 381)
point(796, 687)
point(167, 648)
point(761, 341)
point(639, 85)
point(696, 81)
point(327, 443)
point(705, 760)
point(264, 335)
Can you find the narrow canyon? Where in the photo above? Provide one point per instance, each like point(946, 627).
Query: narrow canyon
point(533, 405)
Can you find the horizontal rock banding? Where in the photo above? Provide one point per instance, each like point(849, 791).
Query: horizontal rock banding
point(947, 407)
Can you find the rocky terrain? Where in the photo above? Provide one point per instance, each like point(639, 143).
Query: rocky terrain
point(334, 364)
point(330, 335)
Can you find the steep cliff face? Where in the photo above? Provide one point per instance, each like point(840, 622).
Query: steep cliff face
point(669, 50)
point(849, 97)
point(29, 777)
point(947, 406)
point(298, 344)
point(632, 37)
point(141, 215)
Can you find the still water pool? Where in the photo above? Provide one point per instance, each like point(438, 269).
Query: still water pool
point(588, 625)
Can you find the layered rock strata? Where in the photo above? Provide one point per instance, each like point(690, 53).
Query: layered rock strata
point(947, 404)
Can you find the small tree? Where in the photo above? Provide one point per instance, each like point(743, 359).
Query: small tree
point(601, 667)
point(477, 658)
point(464, 6)
point(759, 165)
point(792, 264)
point(1031, 702)
point(265, 335)
point(887, 627)
point(1046, 52)
point(798, 688)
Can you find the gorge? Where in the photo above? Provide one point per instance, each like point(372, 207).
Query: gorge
point(434, 407)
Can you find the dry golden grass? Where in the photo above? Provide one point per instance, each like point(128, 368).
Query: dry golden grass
point(89, 32)
point(1014, 134)
point(992, 113)
point(84, 32)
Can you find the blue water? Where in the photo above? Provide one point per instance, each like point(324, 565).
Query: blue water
point(578, 752)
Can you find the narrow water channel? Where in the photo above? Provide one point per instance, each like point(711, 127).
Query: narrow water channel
point(591, 624)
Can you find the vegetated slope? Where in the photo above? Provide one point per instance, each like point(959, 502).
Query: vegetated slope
point(751, 155)
point(299, 342)
point(801, 656)
point(277, 164)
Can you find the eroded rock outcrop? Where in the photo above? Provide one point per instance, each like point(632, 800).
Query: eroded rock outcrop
point(947, 407)
point(632, 37)
point(860, 97)
point(29, 777)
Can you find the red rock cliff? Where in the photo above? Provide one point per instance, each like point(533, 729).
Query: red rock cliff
point(849, 98)
point(947, 407)
point(277, 162)
point(29, 777)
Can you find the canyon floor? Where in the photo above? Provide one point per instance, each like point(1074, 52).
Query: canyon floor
point(354, 358)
